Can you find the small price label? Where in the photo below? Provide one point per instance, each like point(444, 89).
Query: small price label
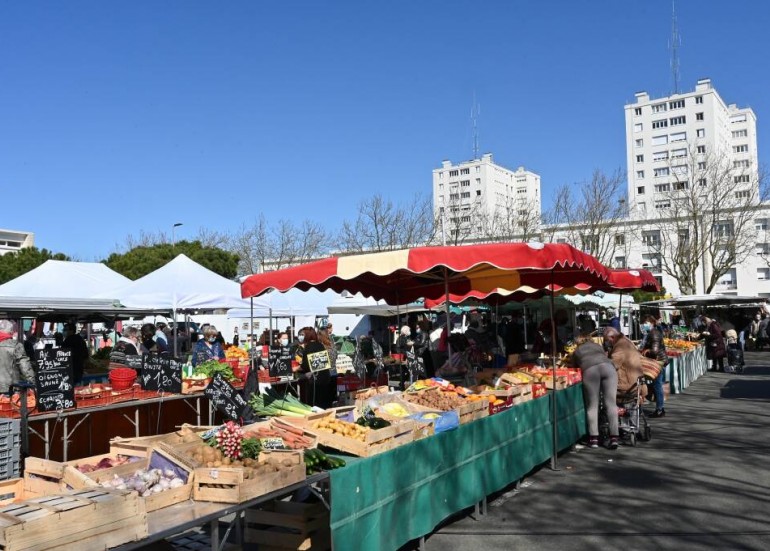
point(214, 473)
point(272, 443)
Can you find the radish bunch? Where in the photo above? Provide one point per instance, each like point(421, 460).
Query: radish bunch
point(229, 438)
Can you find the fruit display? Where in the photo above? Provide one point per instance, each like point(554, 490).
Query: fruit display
point(236, 353)
point(493, 400)
point(435, 399)
point(317, 461)
point(439, 383)
point(680, 344)
point(146, 482)
point(342, 428)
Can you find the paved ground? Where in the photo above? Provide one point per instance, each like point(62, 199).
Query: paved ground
point(703, 482)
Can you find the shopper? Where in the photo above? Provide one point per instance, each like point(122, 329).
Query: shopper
point(325, 339)
point(316, 381)
point(655, 348)
point(207, 348)
point(148, 343)
point(600, 378)
point(14, 362)
point(74, 341)
point(626, 358)
point(127, 345)
point(715, 344)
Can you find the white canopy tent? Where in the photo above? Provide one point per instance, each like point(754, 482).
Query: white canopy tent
point(61, 279)
point(181, 285)
point(366, 306)
point(293, 302)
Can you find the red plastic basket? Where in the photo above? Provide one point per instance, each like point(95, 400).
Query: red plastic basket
point(122, 378)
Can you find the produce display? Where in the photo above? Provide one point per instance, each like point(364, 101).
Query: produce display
point(236, 353)
point(272, 404)
point(437, 382)
point(146, 482)
point(106, 463)
point(292, 437)
point(317, 461)
point(436, 399)
point(343, 428)
point(212, 367)
point(493, 400)
point(680, 344)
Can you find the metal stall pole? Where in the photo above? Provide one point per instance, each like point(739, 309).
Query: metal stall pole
point(554, 409)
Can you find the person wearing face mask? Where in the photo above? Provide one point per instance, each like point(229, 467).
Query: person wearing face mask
point(316, 383)
point(654, 348)
point(127, 345)
point(207, 348)
point(77, 344)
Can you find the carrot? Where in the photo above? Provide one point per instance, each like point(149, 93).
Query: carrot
point(291, 429)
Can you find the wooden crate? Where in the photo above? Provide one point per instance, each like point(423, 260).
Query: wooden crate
point(77, 520)
point(161, 455)
point(140, 447)
point(279, 424)
point(230, 485)
point(287, 525)
point(472, 411)
point(377, 441)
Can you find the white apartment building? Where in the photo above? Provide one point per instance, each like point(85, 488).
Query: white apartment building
point(11, 240)
point(669, 142)
point(663, 134)
point(470, 195)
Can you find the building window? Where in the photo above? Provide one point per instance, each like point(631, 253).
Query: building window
point(640, 158)
point(679, 137)
point(453, 173)
point(441, 175)
point(465, 183)
point(700, 133)
point(659, 140)
point(742, 179)
point(675, 121)
point(740, 148)
point(660, 156)
point(465, 195)
point(698, 116)
point(763, 249)
point(701, 149)
point(740, 133)
point(763, 274)
point(521, 190)
point(651, 238)
point(659, 188)
point(723, 229)
point(640, 190)
point(679, 170)
point(701, 165)
point(642, 207)
point(638, 111)
point(620, 262)
point(744, 194)
point(659, 108)
point(441, 187)
point(761, 224)
point(681, 186)
point(677, 153)
point(639, 142)
point(738, 118)
point(744, 163)
point(702, 182)
point(478, 169)
point(478, 193)
point(638, 127)
point(662, 123)
point(729, 280)
point(698, 99)
point(676, 104)
point(465, 171)
point(663, 204)
point(454, 196)
point(640, 174)
point(661, 172)
point(465, 219)
point(620, 239)
point(651, 260)
point(561, 240)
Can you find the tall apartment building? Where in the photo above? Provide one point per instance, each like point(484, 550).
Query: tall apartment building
point(11, 240)
point(472, 196)
point(668, 139)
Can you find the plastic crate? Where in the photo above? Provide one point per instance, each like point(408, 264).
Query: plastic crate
point(10, 469)
point(9, 454)
point(9, 426)
point(8, 441)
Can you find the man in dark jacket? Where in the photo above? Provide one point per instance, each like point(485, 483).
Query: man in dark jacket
point(74, 341)
point(715, 344)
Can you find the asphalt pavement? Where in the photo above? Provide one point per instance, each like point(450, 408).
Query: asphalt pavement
point(702, 482)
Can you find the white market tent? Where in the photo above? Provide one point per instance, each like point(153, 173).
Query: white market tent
point(180, 285)
point(366, 306)
point(63, 279)
point(293, 302)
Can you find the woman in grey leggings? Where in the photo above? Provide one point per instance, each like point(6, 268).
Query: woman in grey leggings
point(599, 375)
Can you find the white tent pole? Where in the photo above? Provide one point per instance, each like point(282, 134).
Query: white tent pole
point(554, 410)
point(176, 336)
point(446, 304)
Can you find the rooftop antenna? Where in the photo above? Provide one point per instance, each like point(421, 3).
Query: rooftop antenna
point(475, 112)
point(673, 45)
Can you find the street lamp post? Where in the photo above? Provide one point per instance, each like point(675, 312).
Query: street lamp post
point(173, 233)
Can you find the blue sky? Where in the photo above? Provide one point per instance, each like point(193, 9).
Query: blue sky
point(117, 117)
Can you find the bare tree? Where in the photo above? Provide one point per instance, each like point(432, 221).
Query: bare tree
point(703, 216)
point(382, 225)
point(515, 219)
point(592, 218)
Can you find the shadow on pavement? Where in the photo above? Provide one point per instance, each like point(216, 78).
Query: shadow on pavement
point(746, 389)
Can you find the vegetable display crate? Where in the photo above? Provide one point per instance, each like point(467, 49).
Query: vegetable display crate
point(160, 457)
point(41, 478)
point(141, 446)
point(191, 386)
point(78, 520)
point(286, 431)
point(10, 406)
point(287, 525)
point(376, 441)
point(473, 411)
point(231, 485)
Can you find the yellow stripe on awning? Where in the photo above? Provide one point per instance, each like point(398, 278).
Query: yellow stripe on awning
point(381, 264)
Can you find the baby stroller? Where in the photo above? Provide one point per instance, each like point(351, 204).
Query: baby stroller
point(632, 421)
point(735, 360)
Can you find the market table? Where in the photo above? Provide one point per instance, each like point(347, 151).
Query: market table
point(684, 369)
point(385, 501)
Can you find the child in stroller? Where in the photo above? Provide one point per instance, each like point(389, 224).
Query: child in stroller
point(734, 352)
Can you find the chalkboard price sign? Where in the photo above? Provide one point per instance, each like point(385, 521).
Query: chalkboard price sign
point(54, 380)
point(318, 361)
point(279, 361)
point(161, 373)
point(134, 361)
point(225, 398)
